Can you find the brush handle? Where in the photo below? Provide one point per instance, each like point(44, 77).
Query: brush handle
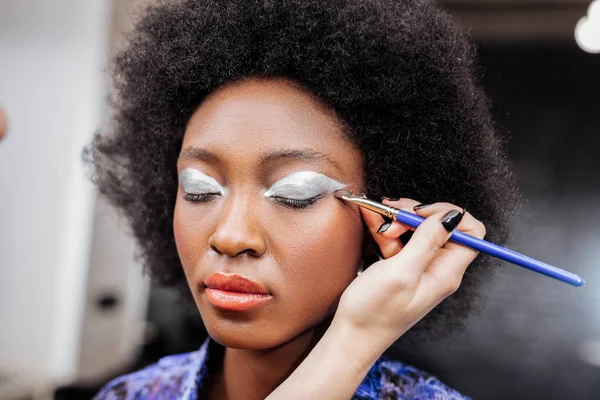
point(500, 252)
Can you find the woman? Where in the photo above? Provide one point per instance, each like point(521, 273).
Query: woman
point(235, 123)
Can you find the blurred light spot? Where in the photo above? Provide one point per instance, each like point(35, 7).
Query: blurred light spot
point(587, 30)
point(590, 352)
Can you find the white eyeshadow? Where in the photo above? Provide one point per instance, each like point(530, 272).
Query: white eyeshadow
point(195, 182)
point(304, 185)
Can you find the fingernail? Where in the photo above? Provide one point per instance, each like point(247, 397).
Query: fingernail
point(452, 219)
point(420, 206)
point(390, 198)
point(384, 227)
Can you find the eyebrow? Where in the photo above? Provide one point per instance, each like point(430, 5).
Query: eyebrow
point(195, 153)
point(299, 154)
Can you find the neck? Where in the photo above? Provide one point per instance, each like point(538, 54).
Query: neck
point(254, 374)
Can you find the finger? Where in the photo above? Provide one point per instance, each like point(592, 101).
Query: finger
point(423, 247)
point(385, 232)
point(469, 224)
point(448, 268)
point(400, 203)
point(396, 229)
point(443, 276)
point(388, 246)
point(392, 229)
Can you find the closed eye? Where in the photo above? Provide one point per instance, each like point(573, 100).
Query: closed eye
point(199, 197)
point(297, 203)
point(198, 187)
point(302, 189)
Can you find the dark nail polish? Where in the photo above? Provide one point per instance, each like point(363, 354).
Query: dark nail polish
point(451, 220)
point(384, 227)
point(420, 206)
point(390, 198)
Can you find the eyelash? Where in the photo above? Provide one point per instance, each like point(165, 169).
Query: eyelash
point(290, 203)
point(295, 203)
point(199, 198)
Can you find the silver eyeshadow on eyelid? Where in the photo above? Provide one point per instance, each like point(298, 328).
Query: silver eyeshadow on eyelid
point(304, 185)
point(195, 182)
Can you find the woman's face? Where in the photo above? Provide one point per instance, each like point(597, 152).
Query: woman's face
point(259, 162)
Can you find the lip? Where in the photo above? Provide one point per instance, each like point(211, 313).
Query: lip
point(235, 292)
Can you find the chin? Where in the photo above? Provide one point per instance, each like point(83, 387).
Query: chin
point(261, 329)
point(245, 338)
point(237, 333)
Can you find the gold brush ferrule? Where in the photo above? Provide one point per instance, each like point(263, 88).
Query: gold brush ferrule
point(365, 202)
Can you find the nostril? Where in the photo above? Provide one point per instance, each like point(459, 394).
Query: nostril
point(215, 249)
point(248, 252)
point(233, 241)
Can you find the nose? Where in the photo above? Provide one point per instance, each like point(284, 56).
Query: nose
point(238, 229)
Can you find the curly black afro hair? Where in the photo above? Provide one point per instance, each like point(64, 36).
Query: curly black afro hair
point(398, 73)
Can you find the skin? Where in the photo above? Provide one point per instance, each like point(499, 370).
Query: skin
point(307, 258)
point(410, 282)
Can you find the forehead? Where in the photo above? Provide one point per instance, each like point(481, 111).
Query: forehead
point(245, 121)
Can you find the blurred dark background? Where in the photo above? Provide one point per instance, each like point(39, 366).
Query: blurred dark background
point(538, 338)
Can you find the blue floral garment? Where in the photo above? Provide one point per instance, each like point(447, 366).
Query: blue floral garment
point(182, 376)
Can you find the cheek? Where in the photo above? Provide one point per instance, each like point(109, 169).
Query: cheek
point(189, 229)
point(319, 252)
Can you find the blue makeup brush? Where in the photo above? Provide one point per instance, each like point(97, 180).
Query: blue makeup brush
point(480, 245)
